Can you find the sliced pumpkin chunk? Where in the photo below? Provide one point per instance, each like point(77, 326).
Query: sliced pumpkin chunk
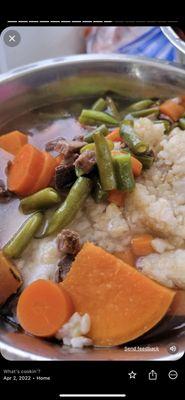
point(10, 278)
point(122, 303)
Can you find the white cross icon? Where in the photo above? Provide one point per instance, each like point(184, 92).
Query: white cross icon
point(11, 38)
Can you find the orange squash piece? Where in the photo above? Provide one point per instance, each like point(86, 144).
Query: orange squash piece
point(13, 141)
point(127, 256)
point(122, 303)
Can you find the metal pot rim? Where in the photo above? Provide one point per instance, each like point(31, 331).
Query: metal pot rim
point(100, 57)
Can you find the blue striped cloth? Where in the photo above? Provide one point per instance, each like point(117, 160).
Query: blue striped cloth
point(152, 44)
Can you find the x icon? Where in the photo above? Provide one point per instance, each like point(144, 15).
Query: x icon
point(11, 38)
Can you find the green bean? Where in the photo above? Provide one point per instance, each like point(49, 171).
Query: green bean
point(43, 199)
point(123, 171)
point(91, 117)
point(104, 162)
point(146, 159)
point(131, 139)
point(112, 109)
point(91, 146)
point(69, 208)
point(165, 123)
point(22, 238)
point(79, 172)
point(98, 193)
point(182, 123)
point(145, 113)
point(89, 136)
point(141, 105)
point(99, 105)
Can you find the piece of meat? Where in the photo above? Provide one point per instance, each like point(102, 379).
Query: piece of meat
point(64, 146)
point(68, 242)
point(50, 146)
point(64, 175)
point(79, 138)
point(64, 266)
point(86, 161)
point(5, 194)
point(68, 147)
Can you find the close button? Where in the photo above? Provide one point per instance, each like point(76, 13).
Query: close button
point(12, 38)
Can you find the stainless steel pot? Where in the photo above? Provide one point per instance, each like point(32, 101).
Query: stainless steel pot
point(176, 41)
point(54, 80)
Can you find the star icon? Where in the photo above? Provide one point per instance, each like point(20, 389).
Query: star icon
point(132, 375)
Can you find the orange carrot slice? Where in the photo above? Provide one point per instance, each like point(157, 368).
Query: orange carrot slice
point(13, 141)
point(136, 166)
point(117, 197)
point(172, 109)
point(43, 308)
point(114, 136)
point(46, 173)
point(141, 245)
point(122, 303)
point(24, 170)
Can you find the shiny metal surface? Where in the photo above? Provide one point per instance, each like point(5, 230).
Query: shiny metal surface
point(176, 41)
point(51, 81)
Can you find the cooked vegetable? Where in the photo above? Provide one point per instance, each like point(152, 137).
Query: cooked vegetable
point(25, 169)
point(21, 239)
point(43, 199)
point(145, 113)
point(136, 166)
point(146, 159)
point(89, 136)
point(10, 278)
point(122, 303)
point(99, 105)
point(69, 208)
point(135, 163)
point(92, 147)
point(172, 109)
point(13, 141)
point(43, 308)
point(91, 117)
point(182, 123)
point(104, 162)
point(127, 256)
point(46, 173)
point(165, 123)
point(98, 193)
point(131, 139)
point(117, 197)
point(114, 136)
point(141, 245)
point(112, 109)
point(123, 172)
point(141, 105)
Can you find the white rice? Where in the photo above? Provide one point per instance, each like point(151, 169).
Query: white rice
point(156, 206)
